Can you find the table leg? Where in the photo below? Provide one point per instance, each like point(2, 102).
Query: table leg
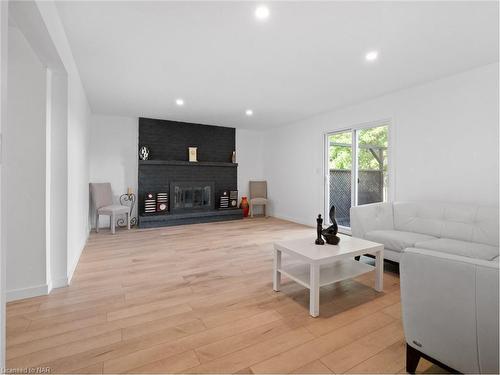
point(314, 290)
point(379, 271)
point(276, 272)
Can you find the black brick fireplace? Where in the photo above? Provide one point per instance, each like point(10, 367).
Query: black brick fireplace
point(193, 188)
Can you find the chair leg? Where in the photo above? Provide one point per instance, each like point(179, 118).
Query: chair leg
point(412, 358)
point(251, 209)
point(128, 220)
point(112, 218)
point(264, 207)
point(97, 222)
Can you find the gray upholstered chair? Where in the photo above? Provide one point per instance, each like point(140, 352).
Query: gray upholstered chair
point(102, 197)
point(258, 195)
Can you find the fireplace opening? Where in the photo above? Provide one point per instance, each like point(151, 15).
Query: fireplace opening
point(191, 196)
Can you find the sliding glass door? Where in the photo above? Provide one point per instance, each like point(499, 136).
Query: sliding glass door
point(372, 165)
point(340, 158)
point(357, 169)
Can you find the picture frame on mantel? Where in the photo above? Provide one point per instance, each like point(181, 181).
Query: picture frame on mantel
point(193, 154)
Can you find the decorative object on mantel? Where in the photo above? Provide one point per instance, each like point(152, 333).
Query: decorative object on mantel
point(244, 206)
point(193, 151)
point(319, 228)
point(224, 200)
point(150, 203)
point(128, 199)
point(233, 198)
point(233, 157)
point(330, 233)
point(161, 202)
point(144, 153)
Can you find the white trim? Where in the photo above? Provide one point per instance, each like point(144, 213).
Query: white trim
point(345, 230)
point(354, 167)
point(391, 161)
point(295, 220)
point(74, 263)
point(72, 267)
point(48, 176)
point(32, 291)
point(4, 20)
point(35, 291)
point(59, 283)
point(326, 177)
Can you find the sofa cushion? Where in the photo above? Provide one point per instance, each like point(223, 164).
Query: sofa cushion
point(447, 220)
point(395, 239)
point(462, 248)
point(418, 217)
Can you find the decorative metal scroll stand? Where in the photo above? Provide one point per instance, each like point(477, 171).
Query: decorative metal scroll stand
point(127, 200)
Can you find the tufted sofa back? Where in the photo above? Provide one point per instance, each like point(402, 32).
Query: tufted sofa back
point(455, 221)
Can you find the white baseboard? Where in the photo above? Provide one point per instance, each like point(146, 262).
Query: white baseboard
point(72, 268)
point(33, 291)
point(293, 219)
point(75, 261)
point(59, 283)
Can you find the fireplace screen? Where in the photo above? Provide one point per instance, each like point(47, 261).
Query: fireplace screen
point(191, 196)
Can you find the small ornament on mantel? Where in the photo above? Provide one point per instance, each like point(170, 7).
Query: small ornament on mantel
point(233, 157)
point(193, 151)
point(144, 153)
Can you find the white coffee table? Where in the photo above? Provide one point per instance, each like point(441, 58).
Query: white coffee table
point(320, 265)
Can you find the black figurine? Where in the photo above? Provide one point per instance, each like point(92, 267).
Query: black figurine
point(330, 233)
point(319, 228)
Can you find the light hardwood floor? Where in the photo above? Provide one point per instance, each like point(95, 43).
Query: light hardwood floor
point(199, 299)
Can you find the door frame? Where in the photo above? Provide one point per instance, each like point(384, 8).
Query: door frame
point(354, 170)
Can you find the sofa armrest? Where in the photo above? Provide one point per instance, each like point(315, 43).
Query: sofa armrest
point(368, 217)
point(442, 314)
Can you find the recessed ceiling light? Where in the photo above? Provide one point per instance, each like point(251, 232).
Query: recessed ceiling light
point(371, 56)
point(262, 12)
point(179, 102)
point(249, 112)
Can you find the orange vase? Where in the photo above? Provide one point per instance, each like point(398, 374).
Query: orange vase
point(245, 206)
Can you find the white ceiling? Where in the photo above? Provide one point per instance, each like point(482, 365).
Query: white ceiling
point(136, 58)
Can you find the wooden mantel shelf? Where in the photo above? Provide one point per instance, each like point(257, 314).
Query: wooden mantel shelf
point(188, 163)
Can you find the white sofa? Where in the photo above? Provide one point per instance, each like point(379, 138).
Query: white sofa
point(466, 230)
point(449, 269)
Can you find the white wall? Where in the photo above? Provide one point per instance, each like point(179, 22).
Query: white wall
point(23, 190)
point(78, 124)
point(45, 200)
point(58, 197)
point(114, 155)
point(4, 9)
point(444, 145)
point(78, 172)
point(249, 150)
